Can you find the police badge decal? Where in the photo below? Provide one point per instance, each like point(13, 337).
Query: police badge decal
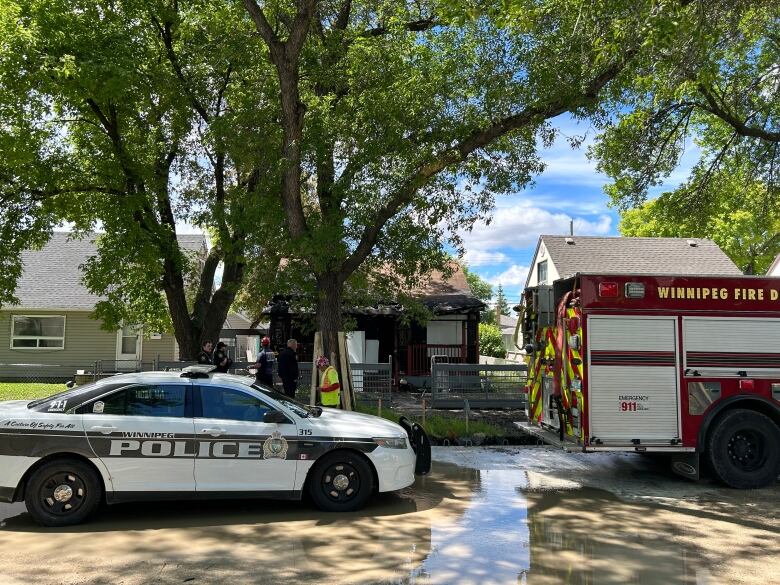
point(275, 446)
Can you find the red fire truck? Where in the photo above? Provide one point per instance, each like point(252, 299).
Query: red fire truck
point(684, 365)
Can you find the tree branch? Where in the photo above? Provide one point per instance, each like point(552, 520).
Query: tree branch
point(342, 19)
point(261, 23)
point(413, 26)
point(717, 108)
point(478, 139)
point(166, 33)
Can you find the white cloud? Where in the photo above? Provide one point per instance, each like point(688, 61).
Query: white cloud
point(520, 225)
point(513, 276)
point(476, 257)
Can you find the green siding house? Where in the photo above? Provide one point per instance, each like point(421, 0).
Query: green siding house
point(51, 335)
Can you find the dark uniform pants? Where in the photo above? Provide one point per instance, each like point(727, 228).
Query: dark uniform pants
point(290, 386)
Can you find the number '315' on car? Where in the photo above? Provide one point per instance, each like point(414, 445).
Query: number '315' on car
point(196, 434)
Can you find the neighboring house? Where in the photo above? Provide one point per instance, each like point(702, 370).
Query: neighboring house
point(563, 256)
point(508, 326)
point(774, 270)
point(382, 336)
point(51, 334)
point(242, 339)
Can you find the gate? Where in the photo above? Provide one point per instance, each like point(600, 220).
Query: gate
point(483, 385)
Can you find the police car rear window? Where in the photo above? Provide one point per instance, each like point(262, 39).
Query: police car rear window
point(72, 397)
point(64, 395)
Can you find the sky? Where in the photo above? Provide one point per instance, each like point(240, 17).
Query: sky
point(570, 188)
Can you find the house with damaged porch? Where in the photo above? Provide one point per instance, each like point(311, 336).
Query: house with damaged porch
point(384, 333)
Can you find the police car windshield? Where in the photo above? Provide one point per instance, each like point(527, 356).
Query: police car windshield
point(298, 408)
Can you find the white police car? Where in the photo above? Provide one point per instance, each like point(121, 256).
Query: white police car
point(195, 434)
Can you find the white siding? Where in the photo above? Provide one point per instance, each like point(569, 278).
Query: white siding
point(445, 332)
point(552, 271)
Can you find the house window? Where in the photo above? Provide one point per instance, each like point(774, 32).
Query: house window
point(541, 272)
point(38, 332)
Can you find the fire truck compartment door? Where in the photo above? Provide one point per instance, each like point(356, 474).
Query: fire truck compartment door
point(632, 380)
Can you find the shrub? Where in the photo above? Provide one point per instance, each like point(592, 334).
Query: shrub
point(490, 341)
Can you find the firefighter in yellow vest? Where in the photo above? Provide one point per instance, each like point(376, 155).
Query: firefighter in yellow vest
point(330, 389)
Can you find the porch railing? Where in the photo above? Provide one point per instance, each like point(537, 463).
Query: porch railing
point(418, 356)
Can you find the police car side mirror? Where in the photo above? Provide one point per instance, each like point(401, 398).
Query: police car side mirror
point(275, 416)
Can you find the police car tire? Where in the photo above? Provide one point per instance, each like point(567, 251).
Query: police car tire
point(78, 476)
point(744, 449)
point(350, 465)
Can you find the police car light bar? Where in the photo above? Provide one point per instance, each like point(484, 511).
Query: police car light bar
point(200, 371)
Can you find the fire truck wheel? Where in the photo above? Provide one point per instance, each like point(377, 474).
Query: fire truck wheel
point(744, 449)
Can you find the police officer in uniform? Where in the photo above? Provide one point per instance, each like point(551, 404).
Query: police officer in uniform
point(264, 373)
point(288, 368)
point(205, 356)
point(221, 359)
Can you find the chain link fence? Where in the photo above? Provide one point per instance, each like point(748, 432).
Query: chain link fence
point(483, 385)
point(78, 371)
point(371, 382)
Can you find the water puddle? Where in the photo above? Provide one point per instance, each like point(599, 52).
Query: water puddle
point(457, 526)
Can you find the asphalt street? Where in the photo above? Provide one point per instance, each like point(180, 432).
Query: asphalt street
point(530, 515)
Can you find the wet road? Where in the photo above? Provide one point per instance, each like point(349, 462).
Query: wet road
point(530, 515)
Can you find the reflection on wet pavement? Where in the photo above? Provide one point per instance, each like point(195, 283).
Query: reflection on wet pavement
point(510, 523)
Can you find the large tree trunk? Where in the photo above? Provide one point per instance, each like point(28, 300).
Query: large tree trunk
point(210, 311)
point(329, 318)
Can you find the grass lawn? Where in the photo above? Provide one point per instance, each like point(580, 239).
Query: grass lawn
point(443, 427)
point(27, 390)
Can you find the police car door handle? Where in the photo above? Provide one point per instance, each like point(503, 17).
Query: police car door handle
point(106, 430)
point(214, 432)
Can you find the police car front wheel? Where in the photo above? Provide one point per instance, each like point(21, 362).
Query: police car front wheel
point(341, 482)
point(62, 492)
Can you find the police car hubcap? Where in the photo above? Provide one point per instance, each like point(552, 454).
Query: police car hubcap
point(341, 482)
point(63, 493)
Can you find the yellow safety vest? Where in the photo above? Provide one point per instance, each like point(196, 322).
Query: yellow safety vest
point(329, 377)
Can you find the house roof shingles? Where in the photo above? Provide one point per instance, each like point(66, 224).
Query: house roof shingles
point(638, 256)
point(450, 294)
point(51, 278)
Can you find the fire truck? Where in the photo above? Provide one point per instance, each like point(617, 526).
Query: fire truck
point(683, 365)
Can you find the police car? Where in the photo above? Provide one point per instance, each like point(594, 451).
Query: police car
point(195, 434)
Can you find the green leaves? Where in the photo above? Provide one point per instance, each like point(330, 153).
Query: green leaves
point(490, 341)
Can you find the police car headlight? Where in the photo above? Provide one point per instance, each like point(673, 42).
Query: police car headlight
point(391, 443)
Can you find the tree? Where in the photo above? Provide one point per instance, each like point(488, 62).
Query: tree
point(124, 115)
point(482, 290)
point(354, 138)
point(502, 306)
point(401, 121)
point(490, 341)
point(721, 94)
point(746, 227)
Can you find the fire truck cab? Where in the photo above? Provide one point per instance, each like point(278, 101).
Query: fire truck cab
point(684, 365)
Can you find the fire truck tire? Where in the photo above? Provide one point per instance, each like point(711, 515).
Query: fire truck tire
point(744, 449)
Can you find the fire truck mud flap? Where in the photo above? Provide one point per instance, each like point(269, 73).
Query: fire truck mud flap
point(420, 443)
point(686, 464)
